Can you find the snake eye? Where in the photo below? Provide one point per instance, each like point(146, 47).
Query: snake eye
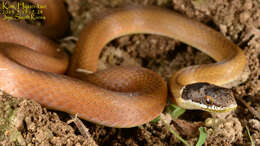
point(208, 100)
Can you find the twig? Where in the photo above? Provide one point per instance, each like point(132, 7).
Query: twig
point(82, 129)
point(252, 110)
point(174, 133)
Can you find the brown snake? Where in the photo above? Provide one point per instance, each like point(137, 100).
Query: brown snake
point(120, 96)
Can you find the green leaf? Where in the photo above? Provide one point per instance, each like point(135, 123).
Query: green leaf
point(202, 137)
point(156, 119)
point(251, 139)
point(175, 111)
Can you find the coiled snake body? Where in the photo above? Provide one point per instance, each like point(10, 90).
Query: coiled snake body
point(120, 96)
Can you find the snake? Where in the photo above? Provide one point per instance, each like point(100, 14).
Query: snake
point(32, 65)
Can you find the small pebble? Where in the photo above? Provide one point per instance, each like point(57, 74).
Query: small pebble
point(244, 17)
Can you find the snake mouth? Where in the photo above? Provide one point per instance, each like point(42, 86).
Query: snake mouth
point(189, 104)
point(217, 109)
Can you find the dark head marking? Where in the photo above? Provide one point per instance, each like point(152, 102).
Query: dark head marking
point(209, 97)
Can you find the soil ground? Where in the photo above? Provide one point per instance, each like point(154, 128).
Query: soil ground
point(24, 122)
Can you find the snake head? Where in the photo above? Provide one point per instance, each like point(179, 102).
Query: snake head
point(208, 97)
